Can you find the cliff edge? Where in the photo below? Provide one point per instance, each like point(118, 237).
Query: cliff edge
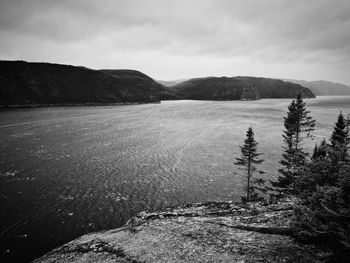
point(203, 232)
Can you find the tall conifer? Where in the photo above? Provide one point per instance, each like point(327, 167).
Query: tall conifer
point(298, 126)
point(249, 159)
point(340, 137)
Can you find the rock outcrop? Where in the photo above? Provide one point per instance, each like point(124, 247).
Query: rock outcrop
point(205, 232)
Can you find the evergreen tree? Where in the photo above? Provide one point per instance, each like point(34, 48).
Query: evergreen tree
point(298, 126)
point(249, 159)
point(320, 151)
point(340, 132)
point(340, 137)
point(322, 214)
point(315, 153)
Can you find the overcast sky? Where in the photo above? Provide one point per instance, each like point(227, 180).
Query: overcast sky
point(175, 39)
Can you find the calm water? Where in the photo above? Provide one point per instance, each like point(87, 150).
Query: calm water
point(72, 170)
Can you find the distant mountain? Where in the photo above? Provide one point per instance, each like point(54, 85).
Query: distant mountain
point(170, 83)
point(323, 88)
point(238, 88)
point(23, 83)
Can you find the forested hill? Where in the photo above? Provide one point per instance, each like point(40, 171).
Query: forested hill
point(23, 83)
point(26, 83)
point(238, 88)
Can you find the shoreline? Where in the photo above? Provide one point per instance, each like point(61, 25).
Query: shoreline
point(92, 104)
point(50, 105)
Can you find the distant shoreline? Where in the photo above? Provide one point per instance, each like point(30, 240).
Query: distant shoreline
point(32, 106)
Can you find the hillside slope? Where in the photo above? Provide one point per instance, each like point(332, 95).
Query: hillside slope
point(323, 88)
point(23, 83)
point(139, 80)
point(238, 88)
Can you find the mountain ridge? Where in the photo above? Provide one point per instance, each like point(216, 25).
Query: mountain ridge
point(323, 87)
point(40, 83)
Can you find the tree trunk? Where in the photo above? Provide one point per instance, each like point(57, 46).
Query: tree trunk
point(248, 183)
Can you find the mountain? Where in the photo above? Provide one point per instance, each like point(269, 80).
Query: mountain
point(238, 88)
point(323, 88)
point(170, 83)
point(24, 83)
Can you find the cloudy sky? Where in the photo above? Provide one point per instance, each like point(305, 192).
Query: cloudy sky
point(175, 39)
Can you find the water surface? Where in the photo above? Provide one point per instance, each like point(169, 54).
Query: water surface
point(72, 170)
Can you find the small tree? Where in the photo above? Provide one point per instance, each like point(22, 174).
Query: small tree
point(320, 151)
point(249, 159)
point(340, 132)
point(298, 126)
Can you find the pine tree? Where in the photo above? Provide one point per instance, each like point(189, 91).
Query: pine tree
point(298, 126)
point(249, 159)
point(340, 137)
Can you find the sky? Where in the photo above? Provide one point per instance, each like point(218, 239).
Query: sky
point(179, 39)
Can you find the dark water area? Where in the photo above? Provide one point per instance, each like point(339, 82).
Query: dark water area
point(68, 171)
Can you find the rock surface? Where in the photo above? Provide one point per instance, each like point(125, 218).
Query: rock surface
point(205, 232)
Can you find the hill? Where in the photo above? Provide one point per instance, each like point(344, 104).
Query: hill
point(238, 88)
point(323, 88)
point(24, 83)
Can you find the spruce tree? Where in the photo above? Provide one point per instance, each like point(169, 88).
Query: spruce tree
point(249, 159)
point(340, 137)
point(298, 126)
point(340, 132)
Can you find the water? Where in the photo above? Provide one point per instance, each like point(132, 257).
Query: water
point(72, 170)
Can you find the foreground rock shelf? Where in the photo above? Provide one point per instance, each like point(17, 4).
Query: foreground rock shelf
point(204, 232)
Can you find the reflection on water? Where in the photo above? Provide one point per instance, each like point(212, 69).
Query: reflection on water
point(68, 171)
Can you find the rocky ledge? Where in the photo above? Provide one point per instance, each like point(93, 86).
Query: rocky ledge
point(203, 232)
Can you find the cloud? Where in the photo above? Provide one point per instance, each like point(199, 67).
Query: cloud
point(296, 39)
